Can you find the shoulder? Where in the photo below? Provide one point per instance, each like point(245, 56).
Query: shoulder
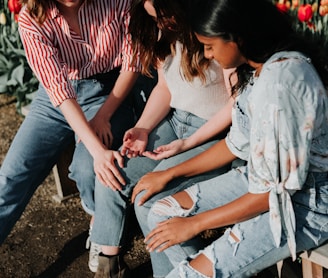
point(289, 67)
point(26, 22)
point(291, 72)
point(288, 81)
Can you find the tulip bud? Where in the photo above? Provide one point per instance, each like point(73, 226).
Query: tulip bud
point(282, 7)
point(3, 19)
point(295, 3)
point(305, 12)
point(14, 6)
point(314, 7)
point(323, 10)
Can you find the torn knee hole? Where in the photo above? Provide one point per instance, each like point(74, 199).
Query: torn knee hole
point(184, 200)
point(234, 237)
point(180, 204)
point(169, 207)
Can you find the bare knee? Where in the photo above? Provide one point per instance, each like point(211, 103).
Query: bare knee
point(184, 199)
point(203, 265)
point(179, 204)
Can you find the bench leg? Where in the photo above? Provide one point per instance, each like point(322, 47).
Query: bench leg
point(311, 270)
point(66, 188)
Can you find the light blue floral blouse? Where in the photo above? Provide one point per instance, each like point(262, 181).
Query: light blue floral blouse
point(280, 126)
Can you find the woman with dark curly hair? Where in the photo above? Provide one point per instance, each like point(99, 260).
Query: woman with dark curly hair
point(81, 53)
point(276, 205)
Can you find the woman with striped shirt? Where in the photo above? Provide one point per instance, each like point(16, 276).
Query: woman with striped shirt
point(80, 51)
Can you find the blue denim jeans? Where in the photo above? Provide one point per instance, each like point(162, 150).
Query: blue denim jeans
point(233, 258)
point(81, 168)
point(112, 207)
point(43, 134)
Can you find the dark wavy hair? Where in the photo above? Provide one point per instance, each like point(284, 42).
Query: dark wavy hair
point(259, 29)
point(172, 17)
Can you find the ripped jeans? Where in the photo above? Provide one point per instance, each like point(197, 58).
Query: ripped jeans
point(248, 247)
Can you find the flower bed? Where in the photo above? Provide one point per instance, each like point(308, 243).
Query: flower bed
point(308, 16)
point(16, 77)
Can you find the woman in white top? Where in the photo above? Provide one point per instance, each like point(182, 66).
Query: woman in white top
point(187, 112)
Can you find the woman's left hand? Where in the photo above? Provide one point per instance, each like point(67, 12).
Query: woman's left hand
point(168, 150)
point(151, 183)
point(102, 128)
point(170, 232)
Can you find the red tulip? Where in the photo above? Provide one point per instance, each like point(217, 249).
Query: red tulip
point(282, 7)
point(295, 3)
point(305, 12)
point(14, 6)
point(323, 10)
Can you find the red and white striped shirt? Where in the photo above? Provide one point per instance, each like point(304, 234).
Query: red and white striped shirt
point(57, 54)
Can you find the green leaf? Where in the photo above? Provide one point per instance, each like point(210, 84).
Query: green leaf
point(4, 62)
point(16, 76)
point(3, 89)
point(3, 83)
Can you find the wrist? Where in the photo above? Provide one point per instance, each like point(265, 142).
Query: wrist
point(143, 128)
point(97, 149)
point(171, 174)
point(188, 143)
point(104, 113)
point(198, 224)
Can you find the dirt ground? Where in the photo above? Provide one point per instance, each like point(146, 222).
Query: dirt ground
point(49, 239)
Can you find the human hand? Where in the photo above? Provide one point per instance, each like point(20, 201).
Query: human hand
point(170, 232)
point(152, 183)
point(106, 170)
point(134, 142)
point(165, 151)
point(102, 128)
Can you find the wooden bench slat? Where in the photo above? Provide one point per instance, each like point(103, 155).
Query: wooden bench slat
point(314, 261)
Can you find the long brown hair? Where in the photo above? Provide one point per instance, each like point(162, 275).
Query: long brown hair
point(172, 15)
point(38, 9)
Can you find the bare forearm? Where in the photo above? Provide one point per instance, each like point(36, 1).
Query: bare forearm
point(76, 119)
point(218, 123)
point(246, 207)
point(121, 89)
point(215, 157)
point(157, 106)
